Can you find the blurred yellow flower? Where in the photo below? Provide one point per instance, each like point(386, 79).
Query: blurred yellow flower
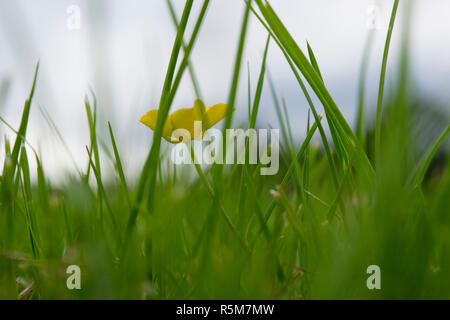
point(185, 118)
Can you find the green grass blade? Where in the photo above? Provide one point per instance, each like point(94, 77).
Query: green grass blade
point(24, 121)
point(249, 96)
point(150, 166)
point(118, 165)
point(276, 103)
point(43, 190)
point(167, 96)
point(92, 121)
point(333, 130)
point(344, 133)
point(194, 79)
point(422, 167)
point(288, 123)
point(259, 87)
point(309, 100)
point(29, 208)
point(104, 197)
point(291, 169)
point(313, 60)
point(360, 130)
point(237, 68)
point(283, 125)
point(306, 164)
point(257, 206)
point(382, 79)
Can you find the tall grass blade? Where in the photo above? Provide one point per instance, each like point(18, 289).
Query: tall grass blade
point(237, 68)
point(344, 133)
point(24, 121)
point(422, 167)
point(118, 165)
point(259, 87)
point(360, 130)
point(382, 80)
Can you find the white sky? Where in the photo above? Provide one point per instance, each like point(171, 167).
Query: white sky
point(123, 47)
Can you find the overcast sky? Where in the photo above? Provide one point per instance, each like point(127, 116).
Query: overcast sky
point(123, 47)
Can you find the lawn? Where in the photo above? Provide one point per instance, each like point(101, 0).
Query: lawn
point(373, 195)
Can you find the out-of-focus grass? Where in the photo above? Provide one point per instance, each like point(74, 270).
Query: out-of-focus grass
point(309, 231)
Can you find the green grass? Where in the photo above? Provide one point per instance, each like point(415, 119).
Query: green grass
point(308, 232)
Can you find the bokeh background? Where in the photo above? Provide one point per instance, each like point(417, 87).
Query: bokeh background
point(122, 49)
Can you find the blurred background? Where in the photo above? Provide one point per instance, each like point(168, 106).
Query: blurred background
point(121, 49)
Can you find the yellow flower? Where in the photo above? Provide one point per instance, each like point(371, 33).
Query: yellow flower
point(184, 119)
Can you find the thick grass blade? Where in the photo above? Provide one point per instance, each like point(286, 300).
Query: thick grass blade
point(192, 74)
point(149, 172)
point(291, 152)
point(8, 194)
point(259, 87)
point(222, 210)
point(150, 166)
point(313, 60)
point(344, 133)
point(382, 80)
point(249, 96)
point(308, 99)
point(17, 133)
point(103, 197)
point(360, 130)
point(288, 123)
point(256, 203)
point(422, 167)
point(237, 68)
point(42, 187)
point(333, 131)
point(306, 163)
point(187, 51)
point(94, 149)
point(29, 208)
point(276, 103)
point(338, 198)
point(291, 169)
point(118, 165)
point(92, 121)
point(24, 122)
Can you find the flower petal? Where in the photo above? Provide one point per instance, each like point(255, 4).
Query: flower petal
point(149, 119)
point(216, 113)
